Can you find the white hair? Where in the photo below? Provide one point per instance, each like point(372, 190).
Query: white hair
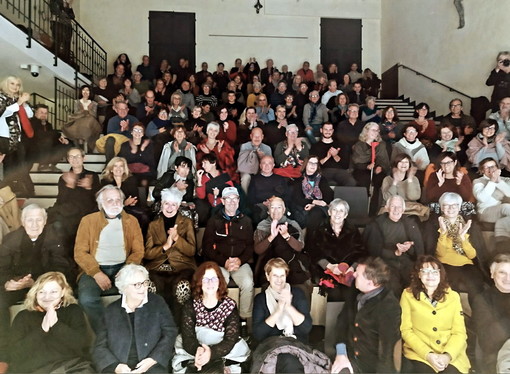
point(172, 195)
point(30, 207)
point(125, 275)
point(100, 193)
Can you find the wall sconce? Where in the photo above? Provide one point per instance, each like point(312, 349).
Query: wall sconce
point(258, 6)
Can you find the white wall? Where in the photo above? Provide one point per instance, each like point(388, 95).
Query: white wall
point(128, 31)
point(424, 36)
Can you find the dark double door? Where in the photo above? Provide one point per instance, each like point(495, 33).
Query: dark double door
point(340, 43)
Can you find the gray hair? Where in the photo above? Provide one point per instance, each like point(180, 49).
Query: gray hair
point(398, 197)
point(125, 275)
point(172, 195)
point(100, 193)
point(500, 258)
point(335, 203)
point(31, 207)
point(212, 124)
point(450, 198)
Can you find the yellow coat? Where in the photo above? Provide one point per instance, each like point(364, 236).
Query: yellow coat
point(438, 329)
point(447, 255)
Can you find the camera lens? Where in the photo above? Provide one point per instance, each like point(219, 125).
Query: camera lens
point(506, 62)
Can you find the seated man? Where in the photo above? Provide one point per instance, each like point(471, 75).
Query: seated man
point(274, 131)
point(106, 241)
point(228, 241)
point(328, 151)
point(397, 240)
point(314, 115)
point(278, 96)
point(76, 195)
point(457, 118)
point(332, 91)
point(263, 186)
point(503, 116)
point(48, 145)
point(249, 156)
point(147, 110)
point(368, 328)
point(118, 130)
point(357, 96)
point(491, 191)
point(347, 133)
point(490, 313)
point(25, 254)
point(178, 176)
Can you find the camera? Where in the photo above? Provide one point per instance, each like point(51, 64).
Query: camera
point(506, 62)
point(34, 70)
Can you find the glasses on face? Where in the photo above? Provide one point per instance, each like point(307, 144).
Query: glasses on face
point(353, 110)
point(313, 163)
point(74, 157)
point(429, 271)
point(445, 163)
point(490, 167)
point(455, 105)
point(314, 96)
point(231, 199)
point(411, 132)
point(210, 280)
point(139, 285)
point(491, 128)
point(450, 206)
point(138, 130)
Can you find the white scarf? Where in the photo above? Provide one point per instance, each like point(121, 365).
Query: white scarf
point(284, 322)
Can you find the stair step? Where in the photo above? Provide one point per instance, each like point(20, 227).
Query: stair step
point(45, 177)
point(46, 189)
point(44, 202)
point(92, 166)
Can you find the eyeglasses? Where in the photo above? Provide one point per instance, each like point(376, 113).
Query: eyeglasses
point(455, 105)
point(492, 128)
point(429, 271)
point(74, 157)
point(210, 280)
point(231, 199)
point(490, 167)
point(314, 96)
point(139, 285)
point(138, 130)
point(444, 163)
point(450, 206)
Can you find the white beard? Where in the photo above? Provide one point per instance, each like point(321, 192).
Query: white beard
point(113, 212)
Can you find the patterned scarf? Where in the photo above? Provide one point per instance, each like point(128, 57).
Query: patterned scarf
point(311, 188)
point(452, 232)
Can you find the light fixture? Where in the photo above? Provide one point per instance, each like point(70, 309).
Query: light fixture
point(258, 6)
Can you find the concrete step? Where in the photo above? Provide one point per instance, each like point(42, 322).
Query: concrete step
point(44, 202)
point(45, 177)
point(46, 189)
point(92, 166)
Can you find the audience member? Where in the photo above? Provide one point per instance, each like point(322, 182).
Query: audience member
point(119, 130)
point(357, 96)
point(139, 154)
point(179, 147)
point(426, 127)
point(457, 118)
point(391, 127)
point(500, 78)
point(449, 141)
point(489, 144)
point(250, 155)
point(105, 241)
point(413, 147)
point(195, 126)
point(347, 133)
point(290, 153)
point(145, 68)
point(354, 73)
point(179, 177)
point(502, 116)
point(147, 110)
point(338, 113)
point(314, 115)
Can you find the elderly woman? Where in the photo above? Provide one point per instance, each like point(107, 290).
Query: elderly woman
point(488, 143)
point(139, 330)
point(178, 113)
point(281, 318)
point(432, 326)
point(403, 182)
point(369, 111)
point(223, 151)
point(458, 244)
point(210, 327)
point(333, 242)
point(448, 176)
point(290, 153)
point(169, 251)
point(179, 147)
point(370, 161)
point(311, 195)
point(279, 236)
point(52, 328)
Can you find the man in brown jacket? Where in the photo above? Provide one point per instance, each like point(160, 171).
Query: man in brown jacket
point(106, 240)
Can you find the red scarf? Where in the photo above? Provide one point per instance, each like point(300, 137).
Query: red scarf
point(25, 122)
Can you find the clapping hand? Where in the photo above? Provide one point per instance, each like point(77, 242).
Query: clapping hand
point(463, 229)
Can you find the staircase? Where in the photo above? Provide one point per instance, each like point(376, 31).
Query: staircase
point(405, 109)
point(46, 183)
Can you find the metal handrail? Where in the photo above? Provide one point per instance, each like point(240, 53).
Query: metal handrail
point(399, 65)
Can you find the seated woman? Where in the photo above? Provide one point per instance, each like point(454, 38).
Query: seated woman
point(117, 173)
point(223, 151)
point(427, 133)
point(369, 111)
point(282, 321)
point(332, 243)
point(132, 95)
point(51, 333)
point(206, 96)
point(158, 130)
point(177, 111)
point(458, 244)
point(228, 128)
point(370, 161)
point(449, 141)
point(390, 127)
point(290, 153)
point(83, 124)
point(433, 328)
point(311, 195)
point(210, 328)
point(489, 143)
point(339, 112)
point(410, 145)
point(403, 182)
point(446, 175)
point(211, 181)
point(139, 155)
point(279, 236)
point(195, 126)
point(170, 252)
point(179, 147)
point(138, 316)
point(161, 93)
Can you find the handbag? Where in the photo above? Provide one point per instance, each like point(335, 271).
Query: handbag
point(248, 162)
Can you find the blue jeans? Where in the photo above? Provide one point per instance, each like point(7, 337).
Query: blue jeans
point(89, 294)
point(315, 131)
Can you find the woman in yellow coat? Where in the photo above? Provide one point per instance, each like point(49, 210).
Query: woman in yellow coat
point(432, 327)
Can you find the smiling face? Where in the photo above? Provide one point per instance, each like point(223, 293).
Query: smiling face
point(446, 134)
point(450, 210)
point(169, 208)
point(223, 114)
point(489, 168)
point(410, 134)
point(75, 158)
point(403, 165)
point(489, 131)
point(277, 278)
point(231, 204)
point(210, 283)
point(430, 275)
point(422, 112)
point(14, 86)
point(112, 203)
point(138, 132)
point(276, 209)
point(500, 272)
point(256, 136)
point(266, 165)
point(212, 132)
point(118, 169)
point(337, 215)
point(312, 166)
point(135, 295)
point(281, 113)
point(395, 209)
point(50, 295)
point(85, 93)
point(448, 165)
point(34, 222)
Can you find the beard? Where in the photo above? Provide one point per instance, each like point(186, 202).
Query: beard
point(113, 211)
